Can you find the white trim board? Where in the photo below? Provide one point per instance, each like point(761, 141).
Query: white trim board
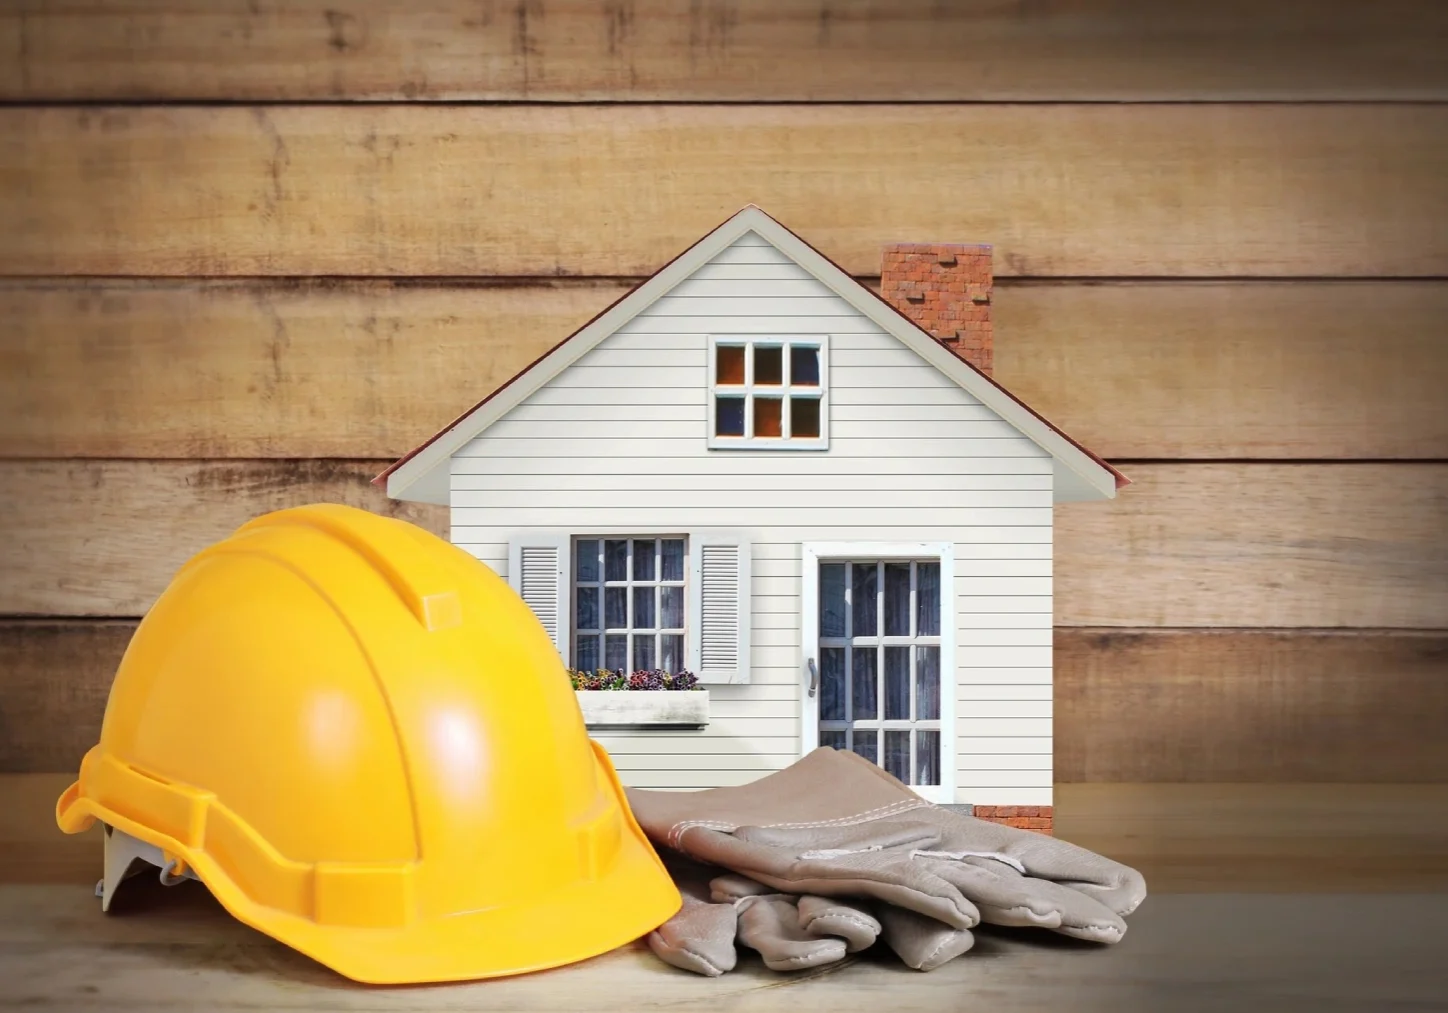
point(1078, 475)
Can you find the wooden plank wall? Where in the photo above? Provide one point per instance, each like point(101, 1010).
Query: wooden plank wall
point(251, 252)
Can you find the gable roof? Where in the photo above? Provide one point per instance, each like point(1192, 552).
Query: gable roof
point(422, 474)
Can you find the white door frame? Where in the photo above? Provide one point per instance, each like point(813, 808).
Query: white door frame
point(812, 553)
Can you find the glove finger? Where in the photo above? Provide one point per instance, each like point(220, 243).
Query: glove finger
point(1120, 887)
point(825, 916)
point(922, 943)
point(889, 876)
point(770, 924)
point(731, 886)
point(1005, 897)
point(700, 938)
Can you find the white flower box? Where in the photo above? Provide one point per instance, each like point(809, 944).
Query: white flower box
point(622, 709)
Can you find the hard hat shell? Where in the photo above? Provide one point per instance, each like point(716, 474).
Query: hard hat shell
point(365, 745)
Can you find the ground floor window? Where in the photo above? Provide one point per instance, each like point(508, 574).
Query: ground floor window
point(628, 603)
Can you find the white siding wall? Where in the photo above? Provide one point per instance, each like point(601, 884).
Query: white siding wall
point(618, 441)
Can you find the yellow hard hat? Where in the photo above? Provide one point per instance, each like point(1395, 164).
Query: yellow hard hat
point(361, 740)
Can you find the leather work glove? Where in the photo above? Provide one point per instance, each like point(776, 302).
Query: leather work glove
point(834, 824)
point(791, 933)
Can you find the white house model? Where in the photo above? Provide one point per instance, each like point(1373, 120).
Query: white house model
point(753, 467)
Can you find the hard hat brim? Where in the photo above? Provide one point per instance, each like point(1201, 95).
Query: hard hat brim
point(579, 920)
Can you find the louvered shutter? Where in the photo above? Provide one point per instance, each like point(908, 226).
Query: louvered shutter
point(538, 571)
point(719, 600)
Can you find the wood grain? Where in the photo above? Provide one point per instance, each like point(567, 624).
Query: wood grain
point(1252, 545)
point(1130, 705)
point(751, 50)
point(279, 368)
point(1076, 190)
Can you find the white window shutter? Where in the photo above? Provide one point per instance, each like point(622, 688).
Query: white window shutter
point(719, 604)
point(538, 570)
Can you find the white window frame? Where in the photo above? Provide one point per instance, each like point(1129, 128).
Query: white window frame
point(812, 554)
point(685, 583)
point(748, 391)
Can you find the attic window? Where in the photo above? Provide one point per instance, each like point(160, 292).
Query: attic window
point(768, 393)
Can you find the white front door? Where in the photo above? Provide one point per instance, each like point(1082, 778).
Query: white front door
point(878, 646)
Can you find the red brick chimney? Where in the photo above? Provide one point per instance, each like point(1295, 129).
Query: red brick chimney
point(945, 288)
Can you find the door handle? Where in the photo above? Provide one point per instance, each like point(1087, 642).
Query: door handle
point(813, 675)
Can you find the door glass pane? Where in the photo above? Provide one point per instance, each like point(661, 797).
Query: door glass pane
point(768, 365)
point(897, 683)
point(897, 599)
point(643, 617)
point(897, 754)
point(587, 654)
point(671, 608)
point(865, 744)
point(863, 674)
point(927, 683)
point(615, 651)
point(615, 607)
point(587, 617)
point(672, 559)
point(643, 652)
point(671, 652)
point(615, 559)
point(863, 597)
point(832, 684)
point(834, 739)
point(586, 559)
point(927, 598)
point(927, 757)
point(643, 559)
point(832, 599)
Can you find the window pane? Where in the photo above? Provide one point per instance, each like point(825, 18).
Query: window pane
point(615, 559)
point(897, 684)
point(586, 559)
point(863, 672)
point(768, 365)
point(834, 739)
point(728, 416)
point(673, 559)
point(897, 754)
point(832, 684)
point(927, 600)
point(927, 683)
point(927, 757)
point(586, 654)
point(804, 418)
point(643, 559)
point(587, 612)
point(615, 652)
point(832, 599)
point(671, 654)
point(897, 599)
point(767, 418)
point(729, 364)
point(804, 366)
point(862, 594)
point(671, 608)
point(643, 617)
point(644, 652)
point(615, 608)
point(865, 744)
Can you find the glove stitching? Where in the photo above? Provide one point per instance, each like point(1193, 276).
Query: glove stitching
point(938, 947)
point(677, 831)
point(851, 919)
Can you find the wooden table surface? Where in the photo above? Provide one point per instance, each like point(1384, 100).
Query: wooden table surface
point(1264, 897)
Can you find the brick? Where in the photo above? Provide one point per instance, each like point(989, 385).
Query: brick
point(955, 281)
